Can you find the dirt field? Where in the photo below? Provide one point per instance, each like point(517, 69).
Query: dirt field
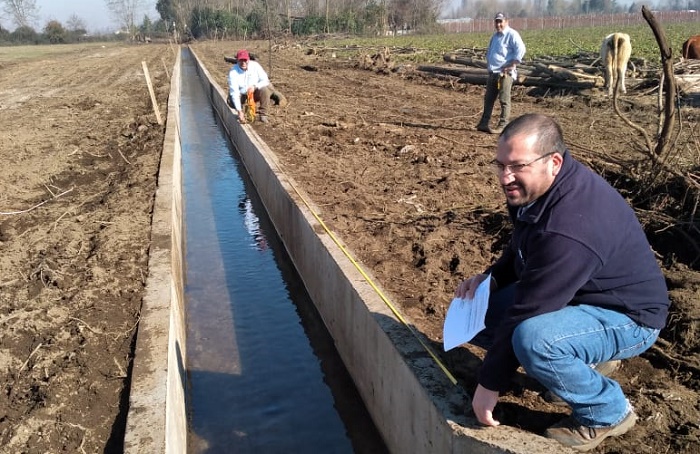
point(392, 159)
point(79, 136)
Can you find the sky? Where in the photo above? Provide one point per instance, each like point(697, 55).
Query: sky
point(98, 18)
point(94, 13)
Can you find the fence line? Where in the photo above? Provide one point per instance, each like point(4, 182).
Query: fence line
point(560, 22)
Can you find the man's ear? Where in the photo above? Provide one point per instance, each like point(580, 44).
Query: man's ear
point(557, 160)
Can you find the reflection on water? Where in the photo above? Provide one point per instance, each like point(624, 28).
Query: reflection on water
point(252, 223)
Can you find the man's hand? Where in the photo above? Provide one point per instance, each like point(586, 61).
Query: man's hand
point(251, 90)
point(241, 116)
point(467, 288)
point(483, 403)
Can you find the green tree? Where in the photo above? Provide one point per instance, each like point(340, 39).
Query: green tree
point(54, 32)
point(4, 35)
point(24, 35)
point(166, 9)
point(146, 27)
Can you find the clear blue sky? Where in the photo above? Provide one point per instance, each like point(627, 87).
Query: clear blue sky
point(94, 13)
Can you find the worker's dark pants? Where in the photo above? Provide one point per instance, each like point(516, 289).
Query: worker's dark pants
point(261, 96)
point(497, 87)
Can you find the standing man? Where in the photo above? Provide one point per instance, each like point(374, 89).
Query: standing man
point(578, 285)
point(248, 75)
point(506, 50)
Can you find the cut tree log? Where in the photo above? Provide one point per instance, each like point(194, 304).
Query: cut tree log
point(479, 76)
point(529, 81)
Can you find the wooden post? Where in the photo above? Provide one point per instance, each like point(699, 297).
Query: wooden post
point(150, 90)
point(165, 66)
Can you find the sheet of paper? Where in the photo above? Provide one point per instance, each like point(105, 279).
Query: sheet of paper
point(465, 318)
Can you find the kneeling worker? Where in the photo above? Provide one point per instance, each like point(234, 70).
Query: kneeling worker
point(249, 75)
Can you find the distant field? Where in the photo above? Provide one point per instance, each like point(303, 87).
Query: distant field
point(539, 43)
point(430, 48)
point(23, 53)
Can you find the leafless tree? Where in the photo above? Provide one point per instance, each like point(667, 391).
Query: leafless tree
point(125, 11)
point(76, 24)
point(21, 12)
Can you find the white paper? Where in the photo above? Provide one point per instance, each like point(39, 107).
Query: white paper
point(466, 317)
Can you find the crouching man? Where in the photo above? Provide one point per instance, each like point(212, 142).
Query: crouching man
point(248, 75)
point(577, 286)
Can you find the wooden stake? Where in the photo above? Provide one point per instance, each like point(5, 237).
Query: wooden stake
point(150, 90)
point(167, 73)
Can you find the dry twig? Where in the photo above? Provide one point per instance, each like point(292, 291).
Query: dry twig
point(27, 361)
point(8, 213)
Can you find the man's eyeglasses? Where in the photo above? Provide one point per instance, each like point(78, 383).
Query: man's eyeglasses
point(515, 168)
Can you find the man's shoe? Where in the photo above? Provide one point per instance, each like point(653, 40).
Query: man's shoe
point(279, 99)
point(499, 128)
point(263, 119)
point(605, 368)
point(581, 438)
point(496, 130)
point(483, 127)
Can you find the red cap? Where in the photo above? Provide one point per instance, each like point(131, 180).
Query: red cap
point(242, 55)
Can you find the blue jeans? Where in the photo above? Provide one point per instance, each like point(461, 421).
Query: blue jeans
point(558, 348)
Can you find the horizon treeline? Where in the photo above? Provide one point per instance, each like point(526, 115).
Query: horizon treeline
point(183, 20)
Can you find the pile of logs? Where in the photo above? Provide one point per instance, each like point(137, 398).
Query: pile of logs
point(687, 76)
point(579, 72)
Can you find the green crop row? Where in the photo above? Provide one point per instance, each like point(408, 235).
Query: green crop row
point(540, 43)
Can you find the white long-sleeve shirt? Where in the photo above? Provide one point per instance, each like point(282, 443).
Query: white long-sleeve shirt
point(239, 81)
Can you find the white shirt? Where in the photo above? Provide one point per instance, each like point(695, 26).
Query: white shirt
point(239, 81)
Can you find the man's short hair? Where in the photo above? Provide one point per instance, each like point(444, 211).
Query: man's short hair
point(547, 131)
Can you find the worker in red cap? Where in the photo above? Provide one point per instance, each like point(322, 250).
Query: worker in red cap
point(246, 75)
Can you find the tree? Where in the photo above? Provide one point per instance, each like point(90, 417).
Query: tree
point(55, 32)
point(166, 9)
point(555, 7)
point(4, 35)
point(76, 25)
point(124, 11)
point(24, 35)
point(21, 12)
point(146, 27)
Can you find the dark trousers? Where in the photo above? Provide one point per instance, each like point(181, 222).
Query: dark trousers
point(497, 87)
point(261, 96)
point(499, 302)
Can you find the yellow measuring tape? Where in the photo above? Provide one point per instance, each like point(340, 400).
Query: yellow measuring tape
point(379, 292)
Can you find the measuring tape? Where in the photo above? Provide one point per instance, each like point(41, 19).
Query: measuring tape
point(379, 292)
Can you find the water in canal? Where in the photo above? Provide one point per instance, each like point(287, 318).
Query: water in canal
point(264, 376)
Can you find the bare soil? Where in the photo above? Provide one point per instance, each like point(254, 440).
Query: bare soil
point(390, 156)
point(79, 137)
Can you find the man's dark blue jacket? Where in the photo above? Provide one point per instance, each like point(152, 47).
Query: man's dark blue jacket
point(579, 243)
